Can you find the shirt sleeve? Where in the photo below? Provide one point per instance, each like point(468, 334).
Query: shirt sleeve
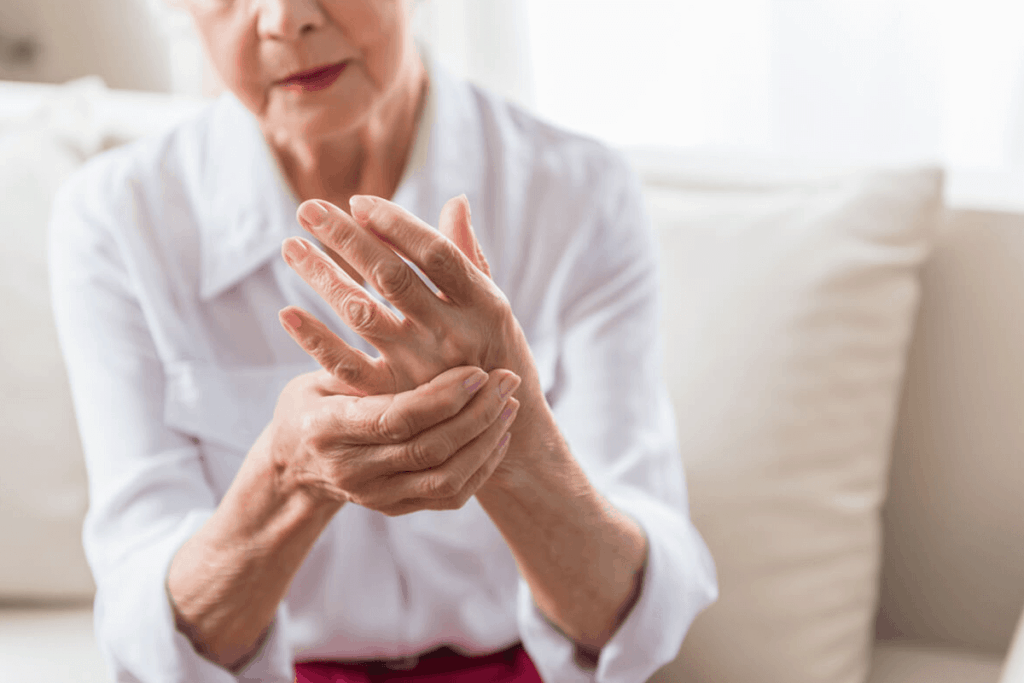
point(147, 490)
point(614, 410)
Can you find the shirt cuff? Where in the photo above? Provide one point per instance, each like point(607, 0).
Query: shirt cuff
point(273, 661)
point(135, 623)
point(678, 584)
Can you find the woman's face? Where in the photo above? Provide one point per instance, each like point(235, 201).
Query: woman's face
point(256, 45)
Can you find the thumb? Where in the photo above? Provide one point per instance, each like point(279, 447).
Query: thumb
point(455, 225)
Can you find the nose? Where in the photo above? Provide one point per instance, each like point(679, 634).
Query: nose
point(289, 19)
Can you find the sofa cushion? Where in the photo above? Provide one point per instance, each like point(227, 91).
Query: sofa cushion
point(894, 662)
point(49, 644)
point(788, 309)
point(42, 474)
point(954, 537)
point(1013, 665)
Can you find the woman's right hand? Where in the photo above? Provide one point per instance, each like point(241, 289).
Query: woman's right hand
point(428, 448)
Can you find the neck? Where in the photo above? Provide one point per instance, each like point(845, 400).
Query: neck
point(367, 160)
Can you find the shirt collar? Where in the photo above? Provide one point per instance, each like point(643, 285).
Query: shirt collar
point(250, 207)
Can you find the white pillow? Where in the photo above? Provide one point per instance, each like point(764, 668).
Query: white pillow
point(788, 311)
point(43, 493)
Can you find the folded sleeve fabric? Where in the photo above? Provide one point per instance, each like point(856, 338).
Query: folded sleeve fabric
point(614, 411)
point(147, 490)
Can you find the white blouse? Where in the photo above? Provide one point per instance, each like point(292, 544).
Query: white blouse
point(166, 279)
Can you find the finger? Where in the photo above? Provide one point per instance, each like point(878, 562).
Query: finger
point(375, 261)
point(480, 257)
point(356, 370)
point(364, 315)
point(446, 226)
point(434, 254)
point(454, 213)
point(445, 456)
point(455, 502)
point(450, 484)
point(435, 446)
point(465, 238)
point(398, 418)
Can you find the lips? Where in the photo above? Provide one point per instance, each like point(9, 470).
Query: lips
point(315, 79)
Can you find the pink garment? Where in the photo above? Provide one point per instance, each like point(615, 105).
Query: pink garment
point(439, 666)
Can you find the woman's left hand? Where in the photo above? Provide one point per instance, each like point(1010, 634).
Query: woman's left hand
point(538, 496)
point(469, 323)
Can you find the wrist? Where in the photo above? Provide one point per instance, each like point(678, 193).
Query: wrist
point(551, 503)
point(275, 461)
point(537, 452)
point(225, 582)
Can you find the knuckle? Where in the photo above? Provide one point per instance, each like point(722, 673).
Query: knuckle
point(345, 368)
point(394, 279)
point(360, 313)
point(474, 483)
point(441, 486)
point(445, 446)
point(438, 256)
point(316, 346)
point(394, 426)
point(460, 500)
point(423, 454)
point(453, 402)
point(338, 235)
point(332, 290)
point(493, 409)
point(322, 277)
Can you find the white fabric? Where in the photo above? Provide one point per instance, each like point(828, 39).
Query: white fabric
point(42, 478)
point(167, 280)
point(788, 314)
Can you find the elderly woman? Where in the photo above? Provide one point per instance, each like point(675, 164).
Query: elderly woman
point(464, 469)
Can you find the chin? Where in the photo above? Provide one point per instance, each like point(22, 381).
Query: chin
point(334, 119)
point(320, 119)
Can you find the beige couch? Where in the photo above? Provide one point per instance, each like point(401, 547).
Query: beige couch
point(953, 570)
point(948, 578)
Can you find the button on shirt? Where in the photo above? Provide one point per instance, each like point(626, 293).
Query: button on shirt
point(166, 280)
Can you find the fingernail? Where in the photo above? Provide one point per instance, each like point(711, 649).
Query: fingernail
point(313, 213)
point(507, 413)
point(504, 440)
point(507, 386)
point(474, 382)
point(296, 248)
point(361, 206)
point(291, 320)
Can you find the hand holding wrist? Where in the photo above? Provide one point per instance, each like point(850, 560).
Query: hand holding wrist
point(428, 448)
